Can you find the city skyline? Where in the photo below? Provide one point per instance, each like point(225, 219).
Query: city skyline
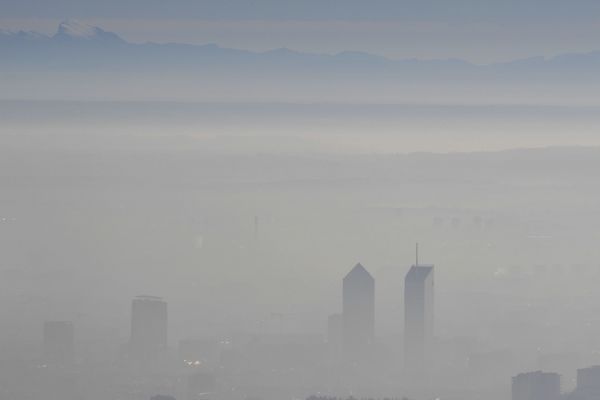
point(220, 200)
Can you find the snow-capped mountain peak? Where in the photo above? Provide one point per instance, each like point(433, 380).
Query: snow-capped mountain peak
point(75, 30)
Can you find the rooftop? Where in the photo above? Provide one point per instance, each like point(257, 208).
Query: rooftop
point(419, 272)
point(358, 272)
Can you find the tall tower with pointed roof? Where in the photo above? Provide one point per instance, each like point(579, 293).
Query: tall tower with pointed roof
point(358, 314)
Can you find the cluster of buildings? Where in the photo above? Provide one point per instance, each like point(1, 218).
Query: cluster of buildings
point(540, 385)
point(350, 340)
point(354, 328)
point(351, 336)
point(353, 331)
point(147, 344)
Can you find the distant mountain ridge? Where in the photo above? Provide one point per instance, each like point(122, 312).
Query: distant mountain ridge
point(67, 30)
point(105, 63)
point(72, 32)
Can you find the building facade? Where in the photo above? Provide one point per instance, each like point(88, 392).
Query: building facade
point(536, 385)
point(358, 313)
point(149, 324)
point(418, 317)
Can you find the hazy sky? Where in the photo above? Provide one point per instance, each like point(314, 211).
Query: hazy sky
point(477, 30)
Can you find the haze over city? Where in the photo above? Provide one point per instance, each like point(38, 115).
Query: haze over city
point(315, 200)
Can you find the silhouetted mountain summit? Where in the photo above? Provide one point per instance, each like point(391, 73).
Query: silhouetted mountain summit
point(71, 30)
point(68, 31)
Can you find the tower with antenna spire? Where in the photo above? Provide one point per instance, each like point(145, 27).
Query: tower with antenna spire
point(418, 315)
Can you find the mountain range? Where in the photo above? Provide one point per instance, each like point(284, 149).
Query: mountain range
point(47, 64)
point(75, 41)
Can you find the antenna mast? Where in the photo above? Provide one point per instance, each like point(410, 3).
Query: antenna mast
point(417, 254)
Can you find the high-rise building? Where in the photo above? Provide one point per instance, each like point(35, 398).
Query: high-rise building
point(588, 383)
point(58, 342)
point(148, 328)
point(358, 314)
point(536, 385)
point(418, 317)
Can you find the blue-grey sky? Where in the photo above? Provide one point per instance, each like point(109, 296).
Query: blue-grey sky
point(307, 9)
point(477, 30)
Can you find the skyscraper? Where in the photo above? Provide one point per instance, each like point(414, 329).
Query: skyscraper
point(418, 316)
point(148, 328)
point(358, 314)
point(536, 385)
point(588, 383)
point(58, 342)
